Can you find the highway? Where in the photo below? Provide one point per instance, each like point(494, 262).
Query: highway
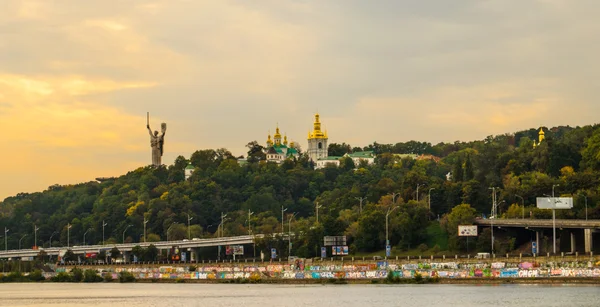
point(545, 223)
point(54, 251)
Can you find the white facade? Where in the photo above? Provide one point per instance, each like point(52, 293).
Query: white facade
point(317, 142)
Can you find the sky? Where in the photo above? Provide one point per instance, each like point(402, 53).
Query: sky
point(78, 77)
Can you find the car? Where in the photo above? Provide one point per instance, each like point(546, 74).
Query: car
point(185, 240)
point(195, 239)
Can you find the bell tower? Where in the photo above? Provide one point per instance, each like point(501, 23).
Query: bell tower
point(317, 141)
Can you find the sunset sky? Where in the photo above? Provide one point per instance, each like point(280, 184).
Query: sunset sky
point(77, 77)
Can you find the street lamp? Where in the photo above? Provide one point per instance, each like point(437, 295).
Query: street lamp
point(387, 239)
point(69, 234)
point(223, 218)
point(145, 222)
point(317, 207)
point(5, 238)
point(419, 185)
point(21, 239)
point(35, 229)
point(522, 204)
point(360, 199)
point(586, 207)
point(429, 197)
point(52, 235)
point(85, 234)
point(290, 234)
point(249, 225)
point(125, 231)
point(394, 197)
point(493, 214)
point(554, 220)
point(103, 225)
point(282, 211)
point(170, 229)
point(189, 218)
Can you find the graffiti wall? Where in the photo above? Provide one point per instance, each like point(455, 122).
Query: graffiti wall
point(377, 270)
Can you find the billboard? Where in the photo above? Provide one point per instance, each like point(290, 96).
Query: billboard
point(334, 240)
point(339, 250)
point(467, 230)
point(554, 202)
point(238, 249)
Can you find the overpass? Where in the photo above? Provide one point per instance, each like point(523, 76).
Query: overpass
point(127, 247)
point(574, 226)
point(545, 223)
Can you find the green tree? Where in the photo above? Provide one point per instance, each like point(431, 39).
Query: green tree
point(461, 215)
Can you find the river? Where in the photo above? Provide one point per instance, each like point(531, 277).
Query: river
point(216, 295)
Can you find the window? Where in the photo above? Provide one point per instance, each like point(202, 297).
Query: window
point(320, 145)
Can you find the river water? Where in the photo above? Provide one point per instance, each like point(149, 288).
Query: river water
point(216, 295)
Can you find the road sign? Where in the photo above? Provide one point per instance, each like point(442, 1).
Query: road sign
point(467, 230)
point(323, 252)
point(554, 202)
point(334, 240)
point(534, 247)
point(273, 253)
point(388, 250)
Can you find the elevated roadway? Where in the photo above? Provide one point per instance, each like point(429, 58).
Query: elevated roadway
point(196, 243)
point(537, 223)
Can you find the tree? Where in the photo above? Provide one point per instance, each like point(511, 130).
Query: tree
point(457, 170)
point(151, 253)
point(115, 253)
point(255, 152)
point(460, 215)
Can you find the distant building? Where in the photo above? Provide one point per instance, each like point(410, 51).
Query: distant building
point(541, 137)
point(357, 158)
point(277, 150)
point(189, 170)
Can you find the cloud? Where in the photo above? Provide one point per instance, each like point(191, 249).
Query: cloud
point(77, 77)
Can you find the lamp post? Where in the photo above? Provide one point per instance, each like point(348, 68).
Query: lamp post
point(223, 216)
point(387, 239)
point(554, 220)
point(21, 239)
point(52, 235)
point(125, 231)
point(290, 234)
point(282, 211)
point(6, 238)
point(103, 225)
point(69, 235)
point(586, 207)
point(317, 207)
point(429, 198)
point(85, 234)
point(249, 225)
point(360, 199)
point(394, 197)
point(418, 185)
point(189, 219)
point(169, 228)
point(523, 205)
point(35, 229)
point(145, 222)
point(493, 215)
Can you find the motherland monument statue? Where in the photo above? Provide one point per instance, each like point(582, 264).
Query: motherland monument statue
point(156, 141)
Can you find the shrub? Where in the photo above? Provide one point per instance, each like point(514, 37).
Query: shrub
point(91, 276)
point(77, 274)
point(36, 276)
point(423, 247)
point(418, 278)
point(13, 277)
point(108, 277)
point(192, 268)
point(126, 277)
point(62, 277)
point(255, 278)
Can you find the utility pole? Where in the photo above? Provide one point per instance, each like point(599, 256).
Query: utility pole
point(586, 207)
point(493, 214)
point(282, 211)
point(317, 206)
point(103, 225)
point(125, 231)
point(85, 233)
point(223, 216)
point(360, 199)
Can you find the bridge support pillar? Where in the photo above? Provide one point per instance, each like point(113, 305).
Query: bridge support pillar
point(573, 243)
point(587, 238)
point(193, 254)
point(537, 241)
